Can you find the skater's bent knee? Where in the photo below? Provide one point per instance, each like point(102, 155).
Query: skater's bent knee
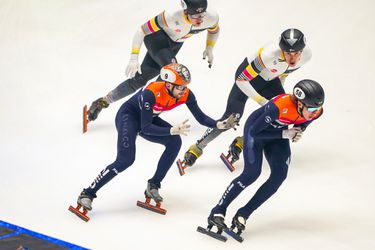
point(175, 141)
point(250, 175)
point(122, 164)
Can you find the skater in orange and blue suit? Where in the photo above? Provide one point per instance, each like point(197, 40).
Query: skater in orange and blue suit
point(140, 116)
point(266, 131)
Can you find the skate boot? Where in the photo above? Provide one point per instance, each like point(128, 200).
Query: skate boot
point(93, 112)
point(152, 192)
point(238, 226)
point(96, 107)
point(84, 201)
point(216, 220)
point(234, 152)
point(190, 157)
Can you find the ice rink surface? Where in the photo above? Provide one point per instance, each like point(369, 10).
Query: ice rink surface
point(56, 56)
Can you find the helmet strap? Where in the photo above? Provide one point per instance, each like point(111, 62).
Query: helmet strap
point(300, 109)
point(170, 91)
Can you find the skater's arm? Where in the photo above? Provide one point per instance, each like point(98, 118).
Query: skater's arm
point(248, 89)
point(283, 78)
point(133, 65)
point(212, 36)
point(137, 41)
point(149, 27)
point(260, 128)
point(213, 32)
point(146, 103)
point(198, 114)
point(251, 71)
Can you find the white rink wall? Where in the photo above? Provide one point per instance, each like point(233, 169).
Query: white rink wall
point(56, 56)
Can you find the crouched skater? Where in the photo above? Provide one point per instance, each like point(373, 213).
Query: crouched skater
point(266, 132)
point(139, 116)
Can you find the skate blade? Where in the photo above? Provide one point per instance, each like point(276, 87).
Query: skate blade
point(181, 167)
point(233, 235)
point(148, 206)
point(212, 234)
point(81, 215)
point(227, 163)
point(85, 119)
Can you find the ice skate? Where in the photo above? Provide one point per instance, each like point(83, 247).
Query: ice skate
point(85, 119)
point(190, 157)
point(152, 192)
point(234, 152)
point(84, 201)
point(93, 112)
point(216, 220)
point(238, 226)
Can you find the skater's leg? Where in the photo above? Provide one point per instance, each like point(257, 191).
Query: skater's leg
point(165, 55)
point(149, 69)
point(253, 158)
point(161, 48)
point(172, 147)
point(268, 89)
point(235, 105)
point(161, 51)
point(277, 154)
point(127, 129)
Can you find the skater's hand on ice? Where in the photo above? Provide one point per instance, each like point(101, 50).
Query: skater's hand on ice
point(133, 66)
point(230, 122)
point(293, 134)
point(181, 129)
point(210, 56)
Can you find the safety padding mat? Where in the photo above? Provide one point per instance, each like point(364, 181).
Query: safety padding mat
point(13, 237)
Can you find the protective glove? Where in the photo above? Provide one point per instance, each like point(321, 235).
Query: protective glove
point(298, 136)
point(293, 134)
point(230, 122)
point(210, 56)
point(181, 129)
point(133, 66)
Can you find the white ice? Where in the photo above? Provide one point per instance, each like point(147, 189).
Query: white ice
point(56, 56)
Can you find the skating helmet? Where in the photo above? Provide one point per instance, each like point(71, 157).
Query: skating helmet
point(292, 40)
point(309, 92)
point(175, 73)
point(194, 7)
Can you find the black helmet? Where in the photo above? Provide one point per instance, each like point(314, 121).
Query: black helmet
point(292, 40)
point(194, 6)
point(309, 92)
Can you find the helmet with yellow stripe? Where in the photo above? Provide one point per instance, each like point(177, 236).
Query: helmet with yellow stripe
point(175, 73)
